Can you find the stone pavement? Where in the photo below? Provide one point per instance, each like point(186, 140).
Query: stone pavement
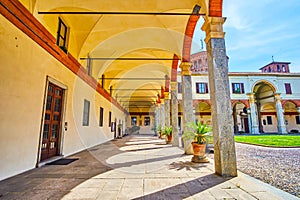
point(134, 167)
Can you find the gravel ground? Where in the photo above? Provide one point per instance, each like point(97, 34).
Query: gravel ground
point(279, 167)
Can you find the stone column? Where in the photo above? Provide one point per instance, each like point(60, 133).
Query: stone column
point(156, 119)
point(174, 108)
point(224, 147)
point(249, 120)
point(167, 109)
point(298, 111)
point(162, 113)
point(187, 100)
point(280, 116)
point(253, 114)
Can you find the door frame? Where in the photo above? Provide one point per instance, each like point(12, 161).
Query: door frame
point(62, 122)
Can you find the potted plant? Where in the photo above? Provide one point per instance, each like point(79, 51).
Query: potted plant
point(167, 131)
point(199, 134)
point(159, 130)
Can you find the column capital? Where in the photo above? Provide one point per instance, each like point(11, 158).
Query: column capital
point(174, 85)
point(166, 95)
point(277, 96)
point(186, 68)
point(251, 97)
point(213, 27)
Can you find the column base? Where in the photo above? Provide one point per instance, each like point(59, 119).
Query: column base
point(282, 130)
point(200, 159)
point(255, 131)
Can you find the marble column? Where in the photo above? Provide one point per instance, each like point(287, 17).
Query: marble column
point(253, 114)
point(174, 110)
point(280, 116)
point(167, 109)
point(187, 100)
point(222, 123)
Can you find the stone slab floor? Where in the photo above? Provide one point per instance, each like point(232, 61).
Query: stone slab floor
point(134, 167)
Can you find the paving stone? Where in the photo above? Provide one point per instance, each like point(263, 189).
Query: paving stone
point(82, 193)
point(137, 172)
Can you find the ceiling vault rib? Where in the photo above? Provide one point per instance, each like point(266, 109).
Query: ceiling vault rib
point(135, 79)
point(136, 89)
point(136, 96)
point(108, 58)
point(117, 13)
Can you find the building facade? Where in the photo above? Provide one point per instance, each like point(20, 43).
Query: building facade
point(270, 94)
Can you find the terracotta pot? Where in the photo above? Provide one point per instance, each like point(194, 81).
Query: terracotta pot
point(199, 149)
point(169, 138)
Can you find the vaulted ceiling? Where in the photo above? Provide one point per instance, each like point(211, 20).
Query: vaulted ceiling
point(130, 42)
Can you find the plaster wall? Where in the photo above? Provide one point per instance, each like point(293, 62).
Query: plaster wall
point(24, 69)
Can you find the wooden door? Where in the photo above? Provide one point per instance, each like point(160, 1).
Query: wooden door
point(52, 122)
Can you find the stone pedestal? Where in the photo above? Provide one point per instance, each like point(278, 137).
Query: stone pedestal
point(200, 159)
point(280, 116)
point(187, 100)
point(253, 114)
point(224, 147)
point(174, 110)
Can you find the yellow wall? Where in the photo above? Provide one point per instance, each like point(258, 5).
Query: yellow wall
point(23, 78)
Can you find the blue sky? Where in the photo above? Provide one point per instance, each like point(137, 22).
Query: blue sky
point(256, 30)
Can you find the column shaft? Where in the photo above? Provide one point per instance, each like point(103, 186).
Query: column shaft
point(225, 158)
point(187, 99)
point(253, 114)
point(280, 116)
point(174, 109)
point(167, 109)
point(162, 114)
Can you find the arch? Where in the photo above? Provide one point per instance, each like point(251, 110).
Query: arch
point(240, 116)
point(188, 36)
point(215, 8)
point(296, 102)
point(174, 68)
point(197, 101)
point(243, 101)
point(273, 87)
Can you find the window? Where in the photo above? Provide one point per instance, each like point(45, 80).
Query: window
point(89, 66)
point(202, 88)
point(62, 34)
point(109, 119)
point(147, 121)
point(288, 88)
point(238, 88)
point(283, 68)
point(278, 68)
point(179, 87)
point(133, 121)
point(86, 113)
point(269, 120)
point(297, 119)
point(101, 117)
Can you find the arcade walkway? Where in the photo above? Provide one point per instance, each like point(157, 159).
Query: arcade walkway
point(135, 167)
